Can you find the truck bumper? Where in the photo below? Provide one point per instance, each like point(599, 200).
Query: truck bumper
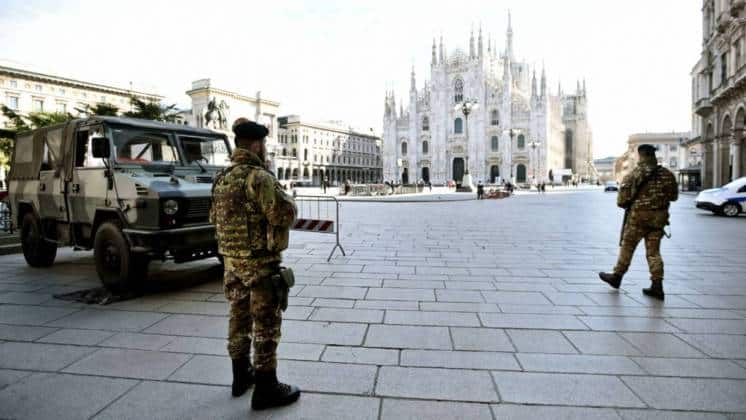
point(184, 244)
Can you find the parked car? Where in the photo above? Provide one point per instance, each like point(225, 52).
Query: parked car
point(728, 200)
point(131, 190)
point(611, 186)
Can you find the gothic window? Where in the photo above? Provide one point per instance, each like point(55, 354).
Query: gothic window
point(404, 148)
point(425, 147)
point(305, 154)
point(495, 144)
point(458, 91)
point(295, 153)
point(458, 126)
point(521, 141)
point(284, 152)
point(494, 118)
point(425, 124)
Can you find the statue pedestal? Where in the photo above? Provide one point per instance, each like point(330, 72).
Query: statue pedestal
point(467, 185)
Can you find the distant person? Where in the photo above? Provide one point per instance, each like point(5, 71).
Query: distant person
point(645, 195)
point(323, 185)
point(430, 186)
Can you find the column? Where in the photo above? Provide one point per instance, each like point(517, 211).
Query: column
point(715, 163)
point(737, 160)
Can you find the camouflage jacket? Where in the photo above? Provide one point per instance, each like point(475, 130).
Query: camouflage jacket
point(656, 194)
point(251, 212)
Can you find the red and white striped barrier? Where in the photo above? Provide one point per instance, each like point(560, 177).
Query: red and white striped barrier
point(311, 225)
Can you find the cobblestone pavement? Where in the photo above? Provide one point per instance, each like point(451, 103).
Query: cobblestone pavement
point(472, 310)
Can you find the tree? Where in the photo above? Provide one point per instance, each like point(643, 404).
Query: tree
point(152, 111)
point(101, 109)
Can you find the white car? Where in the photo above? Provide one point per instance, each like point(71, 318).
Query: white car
point(728, 200)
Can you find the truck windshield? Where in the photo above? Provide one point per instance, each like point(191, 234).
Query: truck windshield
point(135, 146)
point(205, 150)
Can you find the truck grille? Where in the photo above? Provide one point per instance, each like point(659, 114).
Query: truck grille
point(203, 179)
point(197, 208)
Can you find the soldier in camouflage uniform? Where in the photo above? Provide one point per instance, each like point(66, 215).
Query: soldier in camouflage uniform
point(645, 194)
point(252, 216)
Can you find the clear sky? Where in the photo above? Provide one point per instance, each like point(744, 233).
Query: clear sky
point(334, 59)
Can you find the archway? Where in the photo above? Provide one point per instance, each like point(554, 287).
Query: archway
point(494, 173)
point(724, 161)
point(739, 157)
point(708, 172)
point(520, 173)
point(458, 169)
point(405, 176)
point(425, 174)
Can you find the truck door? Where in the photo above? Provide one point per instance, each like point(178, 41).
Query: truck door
point(51, 181)
point(87, 184)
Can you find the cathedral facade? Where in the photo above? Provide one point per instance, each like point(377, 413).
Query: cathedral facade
point(518, 132)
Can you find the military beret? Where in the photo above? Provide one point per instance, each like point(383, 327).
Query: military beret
point(250, 130)
point(646, 148)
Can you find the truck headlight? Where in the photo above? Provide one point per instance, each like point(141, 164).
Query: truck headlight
point(170, 207)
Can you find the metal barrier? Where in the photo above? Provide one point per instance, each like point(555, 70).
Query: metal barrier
point(319, 214)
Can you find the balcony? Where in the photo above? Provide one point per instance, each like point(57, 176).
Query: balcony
point(736, 7)
point(703, 107)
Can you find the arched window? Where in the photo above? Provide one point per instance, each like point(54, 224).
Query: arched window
point(521, 141)
point(458, 90)
point(425, 147)
point(458, 126)
point(494, 118)
point(520, 173)
point(305, 154)
point(425, 124)
point(295, 153)
point(284, 152)
point(280, 173)
point(295, 173)
point(495, 144)
point(404, 148)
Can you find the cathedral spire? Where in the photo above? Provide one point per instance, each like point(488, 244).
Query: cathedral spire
point(509, 39)
point(479, 48)
point(559, 88)
point(413, 85)
point(534, 92)
point(434, 61)
point(471, 43)
point(577, 88)
point(543, 81)
point(442, 53)
point(584, 87)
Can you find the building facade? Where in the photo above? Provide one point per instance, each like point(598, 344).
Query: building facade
point(519, 132)
point(673, 151)
point(605, 168)
point(719, 92)
point(310, 152)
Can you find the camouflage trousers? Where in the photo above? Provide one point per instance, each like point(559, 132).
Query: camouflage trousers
point(632, 235)
point(254, 310)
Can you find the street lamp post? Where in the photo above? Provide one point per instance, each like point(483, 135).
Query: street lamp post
point(533, 145)
point(466, 107)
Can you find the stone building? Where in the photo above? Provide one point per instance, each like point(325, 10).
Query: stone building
point(604, 168)
point(671, 150)
point(519, 132)
point(719, 92)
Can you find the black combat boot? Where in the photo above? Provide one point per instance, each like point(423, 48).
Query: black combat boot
point(243, 376)
point(614, 280)
point(655, 290)
point(269, 392)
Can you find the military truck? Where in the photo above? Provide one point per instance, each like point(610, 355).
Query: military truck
point(131, 190)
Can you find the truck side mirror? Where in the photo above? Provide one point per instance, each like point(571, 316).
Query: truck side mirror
point(101, 147)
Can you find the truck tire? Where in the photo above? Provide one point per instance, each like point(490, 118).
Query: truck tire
point(119, 269)
point(37, 251)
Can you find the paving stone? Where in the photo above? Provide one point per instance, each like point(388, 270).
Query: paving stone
point(361, 355)
point(532, 412)
point(299, 351)
point(38, 356)
point(348, 315)
point(575, 299)
point(74, 396)
point(23, 332)
point(137, 341)
point(99, 319)
point(661, 345)
point(690, 394)
point(539, 309)
point(299, 313)
point(706, 368)
point(123, 363)
point(481, 339)
point(627, 324)
point(599, 342)
point(329, 377)
point(336, 292)
point(8, 376)
point(387, 304)
point(564, 389)
point(24, 298)
point(449, 295)
point(79, 337)
point(414, 284)
point(396, 409)
point(400, 294)
point(456, 319)
point(459, 359)
point(209, 370)
point(459, 307)
point(333, 303)
point(408, 337)
point(710, 326)
point(549, 322)
point(439, 384)
point(516, 298)
point(630, 414)
point(575, 363)
point(718, 345)
point(196, 308)
point(539, 341)
point(388, 269)
point(323, 332)
point(31, 315)
point(191, 325)
point(195, 345)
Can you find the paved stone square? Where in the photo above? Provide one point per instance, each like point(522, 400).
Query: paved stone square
point(472, 310)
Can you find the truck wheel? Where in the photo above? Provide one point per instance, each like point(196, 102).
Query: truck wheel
point(37, 251)
point(119, 269)
point(731, 209)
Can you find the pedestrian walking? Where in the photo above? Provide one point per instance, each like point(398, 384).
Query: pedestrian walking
point(480, 190)
point(645, 195)
point(252, 217)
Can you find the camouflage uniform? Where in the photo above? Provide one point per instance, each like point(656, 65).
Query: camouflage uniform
point(648, 214)
point(252, 216)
